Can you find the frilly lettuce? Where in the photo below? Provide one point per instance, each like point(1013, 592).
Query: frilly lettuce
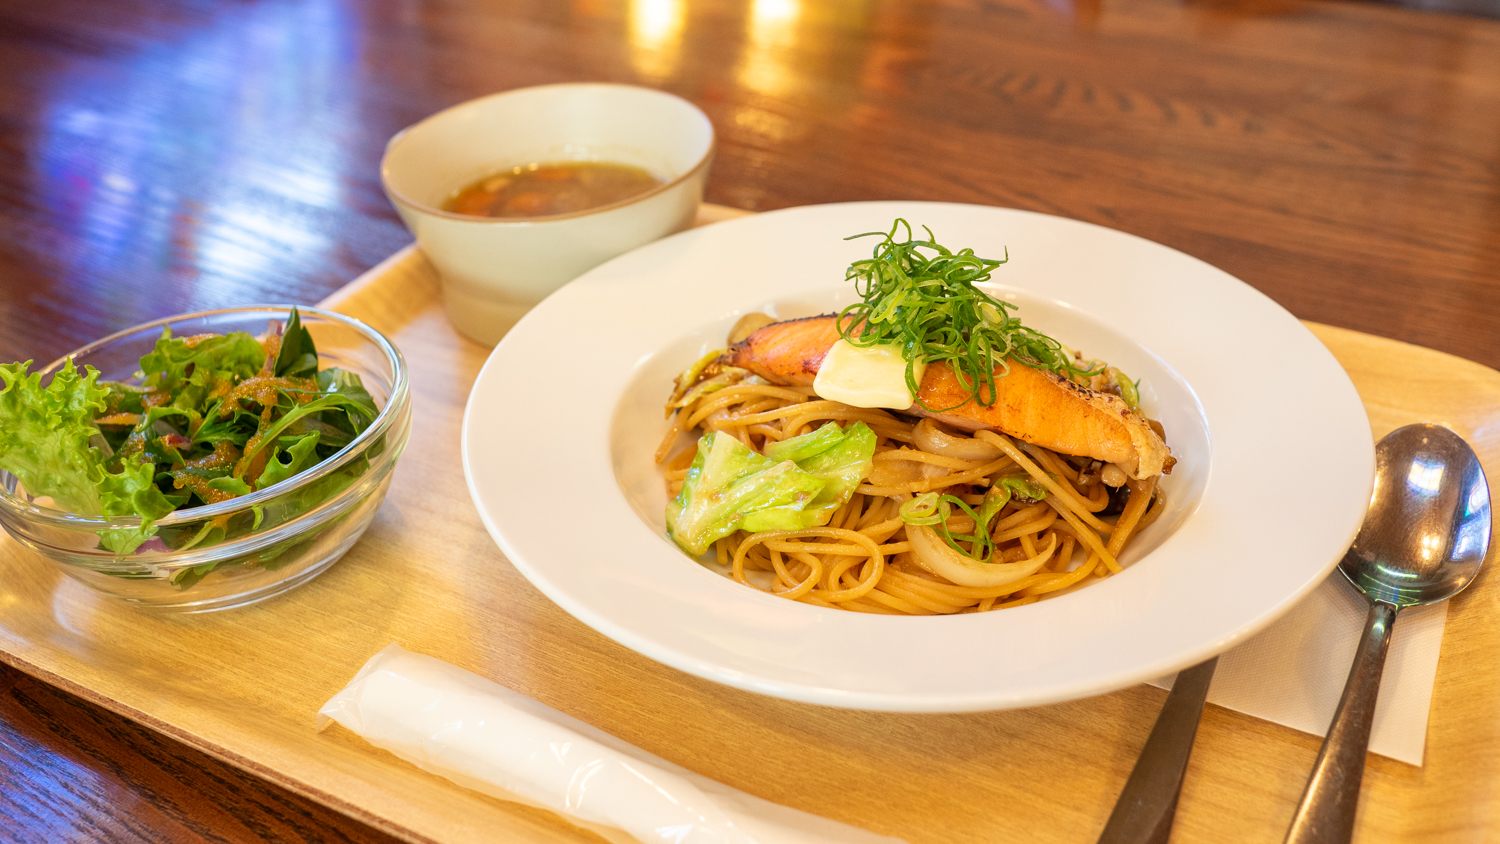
point(191, 369)
point(47, 440)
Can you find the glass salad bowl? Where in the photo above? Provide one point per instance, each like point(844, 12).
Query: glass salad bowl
point(248, 548)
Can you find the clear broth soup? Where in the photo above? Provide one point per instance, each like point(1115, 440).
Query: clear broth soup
point(541, 190)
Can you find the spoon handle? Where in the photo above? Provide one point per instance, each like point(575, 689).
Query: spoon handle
point(1326, 813)
point(1143, 814)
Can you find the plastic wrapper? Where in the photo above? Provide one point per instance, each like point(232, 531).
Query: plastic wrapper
point(486, 737)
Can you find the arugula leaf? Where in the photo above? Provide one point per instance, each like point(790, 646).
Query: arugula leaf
point(235, 428)
point(284, 425)
point(283, 508)
point(189, 576)
point(233, 486)
point(332, 437)
point(47, 441)
point(362, 411)
point(293, 455)
point(190, 370)
point(298, 355)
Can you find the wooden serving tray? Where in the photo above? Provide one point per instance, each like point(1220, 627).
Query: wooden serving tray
point(244, 685)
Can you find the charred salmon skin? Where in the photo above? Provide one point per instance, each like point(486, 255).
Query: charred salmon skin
point(1032, 405)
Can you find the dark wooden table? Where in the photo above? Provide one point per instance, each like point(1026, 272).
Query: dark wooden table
point(161, 157)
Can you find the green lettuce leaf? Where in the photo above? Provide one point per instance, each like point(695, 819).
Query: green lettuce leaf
point(798, 483)
point(46, 433)
point(841, 458)
point(192, 369)
point(47, 437)
point(728, 482)
point(130, 492)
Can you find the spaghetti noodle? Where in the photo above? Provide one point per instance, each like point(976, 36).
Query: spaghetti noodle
point(913, 538)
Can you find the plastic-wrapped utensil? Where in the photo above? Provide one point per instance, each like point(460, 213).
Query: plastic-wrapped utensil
point(486, 737)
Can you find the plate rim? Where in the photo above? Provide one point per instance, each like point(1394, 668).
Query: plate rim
point(901, 701)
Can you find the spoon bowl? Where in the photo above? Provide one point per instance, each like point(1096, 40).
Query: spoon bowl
point(1423, 540)
point(1428, 528)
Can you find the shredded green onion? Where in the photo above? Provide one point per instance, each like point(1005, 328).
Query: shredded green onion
point(921, 296)
point(922, 510)
point(932, 509)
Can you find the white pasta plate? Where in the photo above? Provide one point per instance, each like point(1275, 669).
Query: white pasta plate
point(1274, 462)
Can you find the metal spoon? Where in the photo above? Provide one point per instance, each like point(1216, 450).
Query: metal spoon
point(1422, 542)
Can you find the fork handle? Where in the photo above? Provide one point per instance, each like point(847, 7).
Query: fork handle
point(1326, 813)
point(1143, 814)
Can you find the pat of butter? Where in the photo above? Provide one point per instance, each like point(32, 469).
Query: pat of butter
point(866, 376)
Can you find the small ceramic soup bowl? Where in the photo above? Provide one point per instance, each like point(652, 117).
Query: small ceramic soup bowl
point(494, 269)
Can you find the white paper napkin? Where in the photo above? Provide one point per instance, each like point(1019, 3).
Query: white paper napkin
point(1293, 673)
point(486, 737)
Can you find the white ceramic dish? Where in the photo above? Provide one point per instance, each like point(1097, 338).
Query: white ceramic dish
point(1274, 472)
point(493, 270)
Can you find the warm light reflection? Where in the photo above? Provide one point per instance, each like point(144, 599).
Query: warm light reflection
point(1431, 545)
point(772, 34)
point(760, 122)
point(656, 36)
point(1425, 476)
point(767, 14)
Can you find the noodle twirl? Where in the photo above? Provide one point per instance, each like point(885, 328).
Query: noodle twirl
point(969, 462)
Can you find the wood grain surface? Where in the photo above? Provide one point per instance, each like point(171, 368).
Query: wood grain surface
point(75, 772)
point(162, 157)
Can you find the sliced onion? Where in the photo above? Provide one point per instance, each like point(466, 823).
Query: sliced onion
point(747, 325)
point(727, 377)
point(690, 376)
point(894, 473)
point(933, 554)
point(928, 437)
point(888, 473)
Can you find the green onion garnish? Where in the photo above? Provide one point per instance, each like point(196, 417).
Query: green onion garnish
point(933, 510)
point(929, 306)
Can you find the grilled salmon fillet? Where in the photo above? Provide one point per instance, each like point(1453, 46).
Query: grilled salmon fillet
point(1032, 405)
